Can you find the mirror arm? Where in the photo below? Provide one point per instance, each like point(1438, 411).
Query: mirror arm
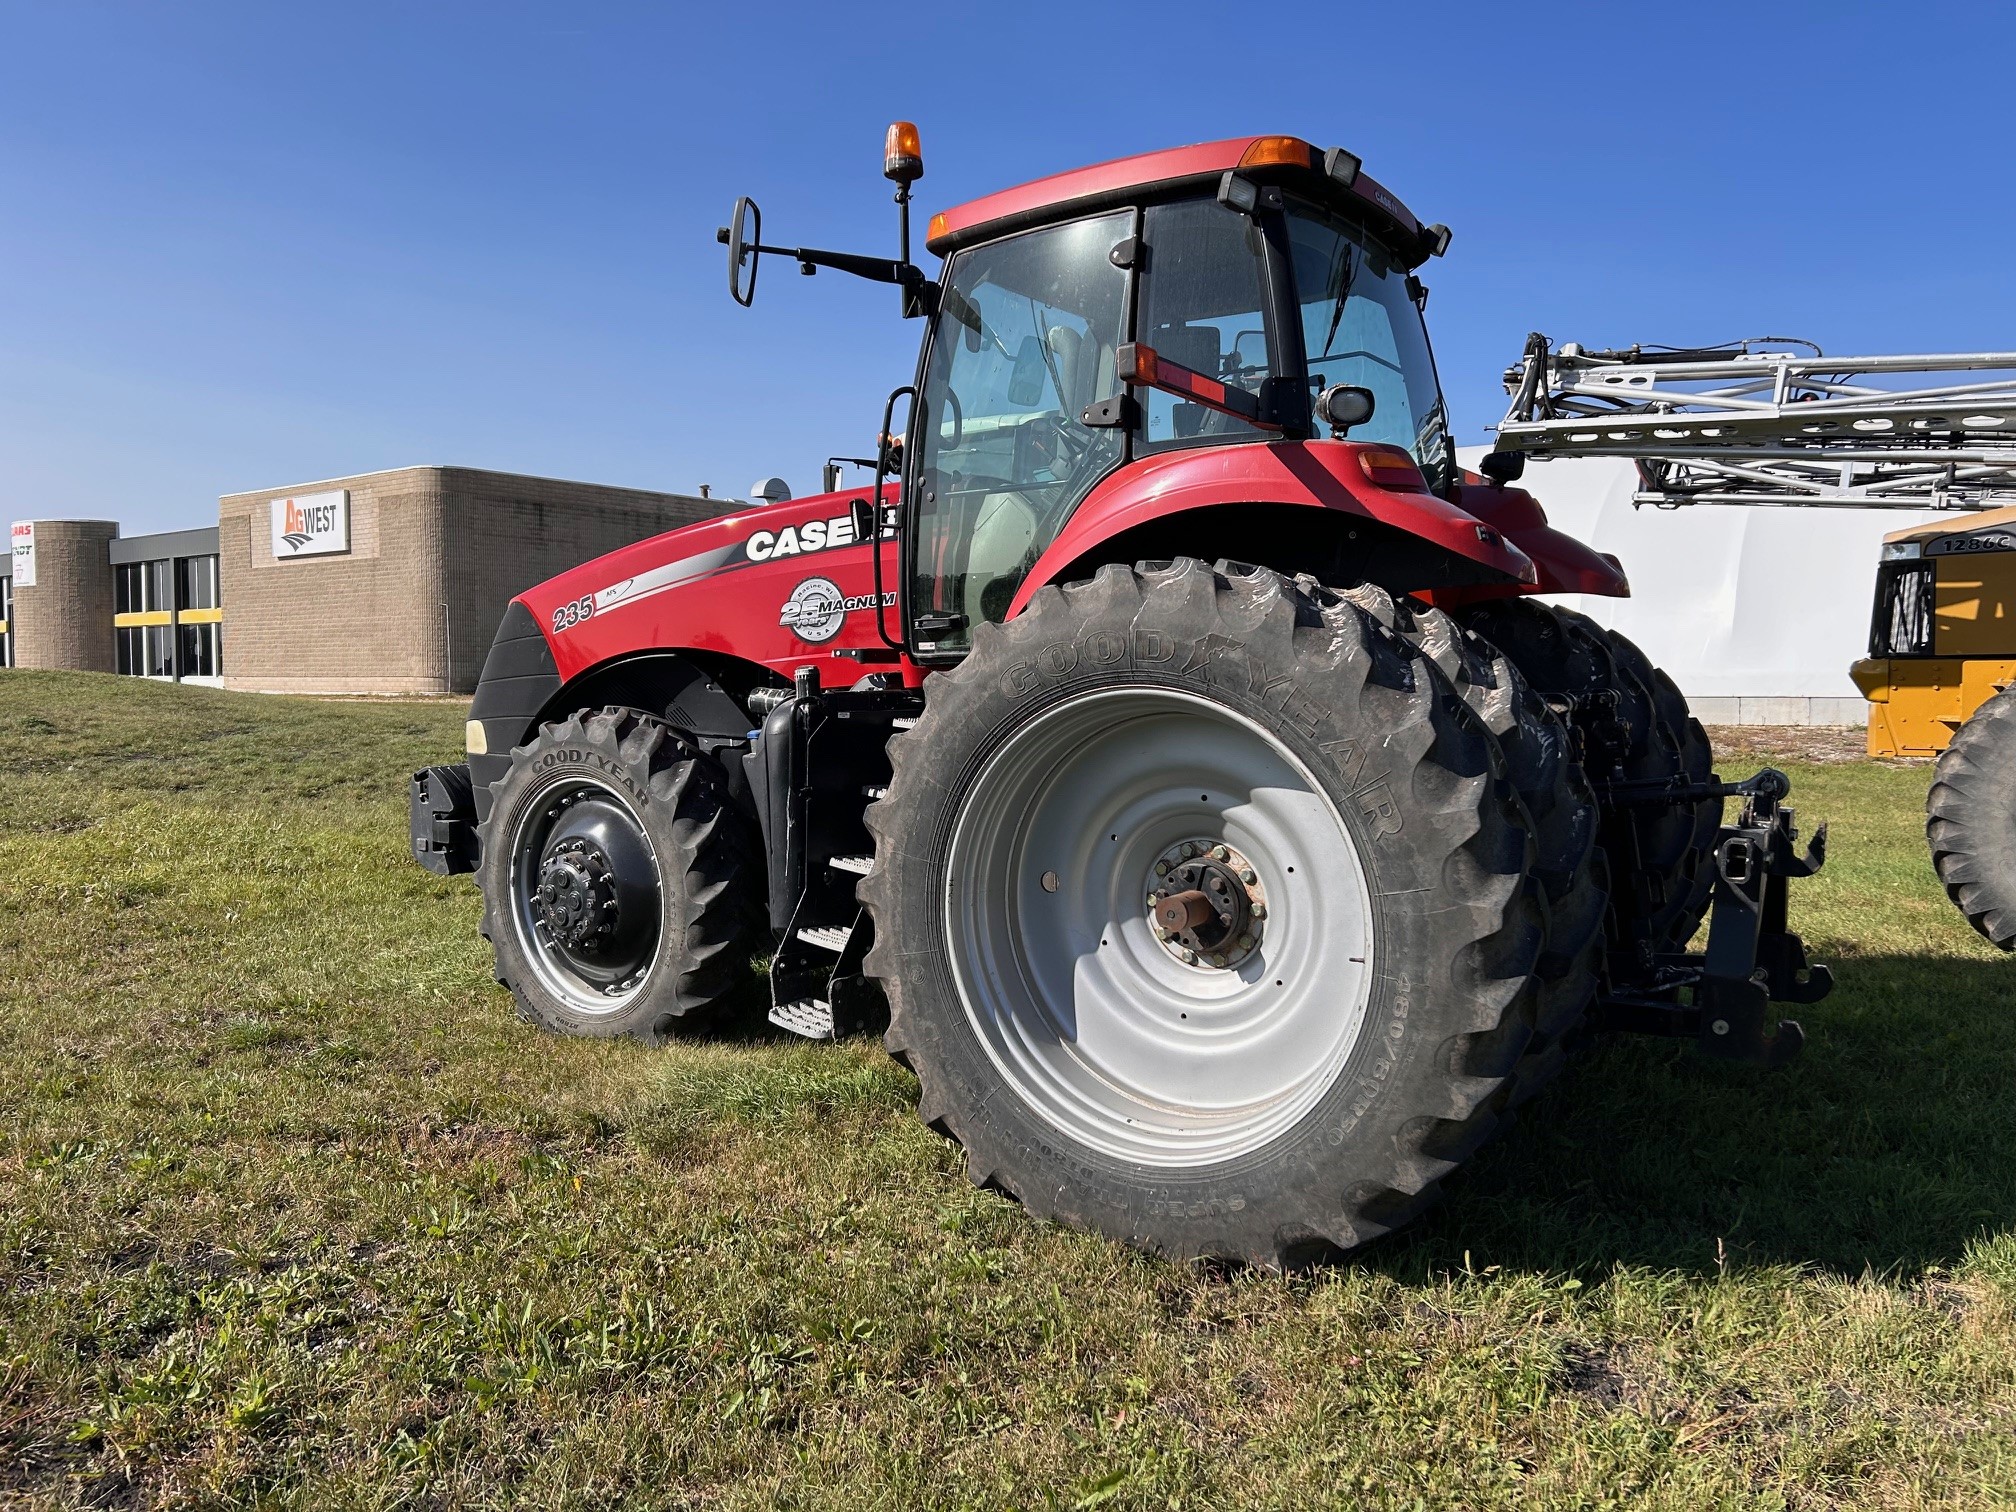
point(874, 269)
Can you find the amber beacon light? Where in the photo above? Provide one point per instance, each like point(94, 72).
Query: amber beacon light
point(903, 154)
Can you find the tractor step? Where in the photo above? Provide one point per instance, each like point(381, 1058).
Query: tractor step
point(808, 1017)
point(874, 794)
point(859, 865)
point(831, 937)
point(904, 722)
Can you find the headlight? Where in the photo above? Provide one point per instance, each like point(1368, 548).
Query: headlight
point(1903, 551)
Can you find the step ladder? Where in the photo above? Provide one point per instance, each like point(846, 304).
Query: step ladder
point(812, 959)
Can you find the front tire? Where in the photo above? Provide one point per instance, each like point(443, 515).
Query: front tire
point(1257, 1086)
point(618, 879)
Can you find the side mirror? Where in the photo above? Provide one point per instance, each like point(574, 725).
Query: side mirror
point(1344, 405)
point(743, 235)
point(1025, 382)
point(1502, 467)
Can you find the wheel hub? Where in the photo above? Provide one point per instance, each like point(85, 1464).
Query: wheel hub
point(1206, 905)
point(577, 901)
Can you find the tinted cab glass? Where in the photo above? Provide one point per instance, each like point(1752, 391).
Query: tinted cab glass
point(1024, 342)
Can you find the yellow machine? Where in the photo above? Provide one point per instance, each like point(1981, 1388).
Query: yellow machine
point(1942, 641)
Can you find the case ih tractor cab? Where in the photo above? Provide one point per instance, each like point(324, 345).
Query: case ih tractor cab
point(1169, 731)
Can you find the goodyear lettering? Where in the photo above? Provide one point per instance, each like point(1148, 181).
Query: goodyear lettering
point(1151, 645)
point(1058, 658)
point(1104, 648)
point(1349, 756)
point(1378, 805)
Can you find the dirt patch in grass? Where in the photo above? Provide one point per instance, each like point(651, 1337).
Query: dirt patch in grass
point(1811, 745)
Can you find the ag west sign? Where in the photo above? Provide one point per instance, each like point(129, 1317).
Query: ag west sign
point(311, 525)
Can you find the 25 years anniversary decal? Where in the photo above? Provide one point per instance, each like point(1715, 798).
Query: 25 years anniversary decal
point(817, 609)
point(760, 546)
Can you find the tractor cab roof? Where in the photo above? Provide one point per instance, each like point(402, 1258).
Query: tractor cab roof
point(1281, 159)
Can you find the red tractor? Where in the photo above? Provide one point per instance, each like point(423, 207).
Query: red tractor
point(1170, 732)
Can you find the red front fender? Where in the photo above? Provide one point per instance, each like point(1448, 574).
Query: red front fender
point(1324, 475)
point(1565, 564)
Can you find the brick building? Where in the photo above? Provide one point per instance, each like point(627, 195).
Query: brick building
point(388, 582)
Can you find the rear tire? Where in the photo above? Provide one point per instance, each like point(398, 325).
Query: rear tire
point(1970, 819)
point(1307, 1096)
point(1658, 857)
point(617, 808)
point(1561, 808)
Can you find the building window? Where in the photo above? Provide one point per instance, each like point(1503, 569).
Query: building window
point(197, 606)
point(167, 616)
point(144, 602)
point(196, 583)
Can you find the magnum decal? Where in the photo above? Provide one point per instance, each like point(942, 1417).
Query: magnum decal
point(817, 608)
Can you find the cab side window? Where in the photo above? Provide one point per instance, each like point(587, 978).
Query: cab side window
point(1203, 298)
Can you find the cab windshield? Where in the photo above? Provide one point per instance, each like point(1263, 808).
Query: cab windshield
point(1361, 327)
point(1024, 342)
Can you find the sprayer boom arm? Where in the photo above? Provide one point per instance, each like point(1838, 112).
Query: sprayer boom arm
point(1735, 426)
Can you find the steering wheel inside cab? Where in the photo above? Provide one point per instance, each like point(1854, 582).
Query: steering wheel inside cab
point(1045, 444)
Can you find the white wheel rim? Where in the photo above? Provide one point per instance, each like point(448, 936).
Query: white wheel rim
point(1102, 1032)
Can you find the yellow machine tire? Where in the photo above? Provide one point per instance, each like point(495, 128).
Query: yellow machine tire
point(1970, 820)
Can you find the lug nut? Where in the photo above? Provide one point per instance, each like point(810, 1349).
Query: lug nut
point(1247, 877)
point(1217, 960)
point(1189, 958)
point(1259, 910)
point(1245, 942)
point(1219, 853)
point(1161, 868)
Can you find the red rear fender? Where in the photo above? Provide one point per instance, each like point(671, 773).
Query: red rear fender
point(1291, 475)
point(1565, 565)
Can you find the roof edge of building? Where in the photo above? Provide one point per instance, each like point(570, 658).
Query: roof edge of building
point(452, 467)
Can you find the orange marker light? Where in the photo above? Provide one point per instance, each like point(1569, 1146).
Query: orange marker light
point(903, 154)
point(1388, 468)
point(937, 227)
point(1270, 151)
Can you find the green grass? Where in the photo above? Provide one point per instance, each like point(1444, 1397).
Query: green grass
point(293, 1211)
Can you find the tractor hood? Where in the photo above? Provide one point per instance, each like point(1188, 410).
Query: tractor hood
point(778, 584)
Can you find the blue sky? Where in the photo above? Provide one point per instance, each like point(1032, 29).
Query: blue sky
point(249, 245)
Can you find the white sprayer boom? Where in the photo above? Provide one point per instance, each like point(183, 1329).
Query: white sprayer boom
point(1730, 425)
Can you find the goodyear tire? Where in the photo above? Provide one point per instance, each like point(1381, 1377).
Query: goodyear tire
point(1560, 809)
point(1262, 1085)
point(1697, 764)
point(618, 879)
point(1970, 819)
point(1656, 855)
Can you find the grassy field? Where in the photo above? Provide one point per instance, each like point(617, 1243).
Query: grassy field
point(293, 1212)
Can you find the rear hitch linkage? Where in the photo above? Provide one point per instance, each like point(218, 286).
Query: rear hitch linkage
point(1720, 998)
